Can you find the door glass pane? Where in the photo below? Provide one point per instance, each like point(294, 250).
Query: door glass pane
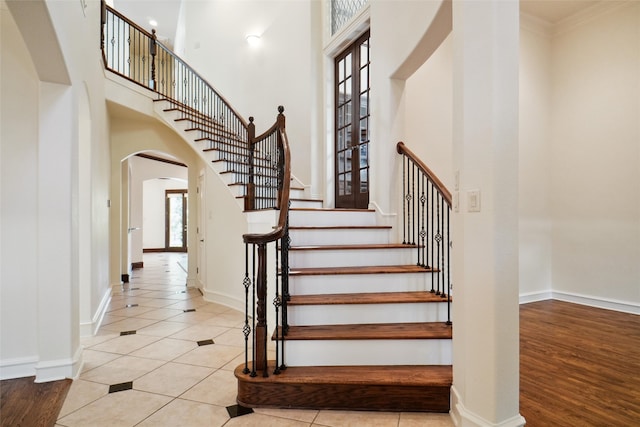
point(348, 83)
point(364, 180)
point(364, 79)
point(364, 52)
point(341, 160)
point(347, 183)
point(364, 131)
point(341, 70)
point(347, 63)
point(364, 155)
point(341, 184)
point(176, 221)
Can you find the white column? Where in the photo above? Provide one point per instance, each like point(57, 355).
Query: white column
point(485, 241)
point(58, 333)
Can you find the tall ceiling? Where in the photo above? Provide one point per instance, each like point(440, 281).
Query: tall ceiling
point(166, 12)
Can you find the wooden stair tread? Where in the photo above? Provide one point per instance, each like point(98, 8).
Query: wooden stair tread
point(332, 210)
point(367, 298)
point(340, 227)
point(353, 247)
point(370, 331)
point(401, 375)
point(376, 269)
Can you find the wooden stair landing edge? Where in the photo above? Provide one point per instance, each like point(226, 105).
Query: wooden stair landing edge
point(380, 388)
point(370, 331)
point(368, 298)
point(379, 269)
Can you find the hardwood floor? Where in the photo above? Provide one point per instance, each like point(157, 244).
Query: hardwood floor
point(579, 366)
point(25, 403)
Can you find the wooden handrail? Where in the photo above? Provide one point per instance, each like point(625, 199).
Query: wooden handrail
point(283, 196)
point(403, 149)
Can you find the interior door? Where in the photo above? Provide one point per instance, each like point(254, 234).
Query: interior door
point(352, 115)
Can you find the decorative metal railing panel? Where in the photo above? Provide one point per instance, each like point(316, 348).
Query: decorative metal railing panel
point(256, 245)
point(342, 11)
point(426, 214)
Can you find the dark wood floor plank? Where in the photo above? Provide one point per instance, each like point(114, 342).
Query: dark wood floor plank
point(579, 366)
point(26, 403)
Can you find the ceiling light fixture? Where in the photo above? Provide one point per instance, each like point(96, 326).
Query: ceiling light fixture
point(153, 22)
point(253, 40)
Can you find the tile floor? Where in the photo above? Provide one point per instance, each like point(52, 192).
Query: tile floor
point(157, 355)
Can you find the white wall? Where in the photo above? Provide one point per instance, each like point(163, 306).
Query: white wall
point(65, 284)
point(256, 80)
point(595, 157)
point(147, 201)
point(18, 207)
point(153, 220)
point(428, 122)
point(535, 160)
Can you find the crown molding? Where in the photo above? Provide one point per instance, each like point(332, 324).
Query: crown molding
point(536, 25)
point(589, 14)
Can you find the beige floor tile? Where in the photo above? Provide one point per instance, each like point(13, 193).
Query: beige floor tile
point(165, 349)
point(162, 329)
point(230, 319)
point(125, 344)
point(211, 307)
point(196, 303)
point(130, 311)
point(254, 420)
point(172, 379)
point(192, 317)
point(108, 319)
point(200, 332)
point(101, 336)
point(154, 302)
point(233, 337)
point(304, 415)
point(212, 356)
point(123, 369)
point(357, 419)
point(421, 419)
point(189, 414)
point(219, 388)
point(128, 324)
point(92, 359)
point(122, 409)
point(159, 313)
point(80, 394)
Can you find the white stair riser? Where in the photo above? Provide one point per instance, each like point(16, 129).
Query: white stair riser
point(338, 236)
point(315, 204)
point(304, 315)
point(331, 218)
point(368, 352)
point(354, 283)
point(353, 257)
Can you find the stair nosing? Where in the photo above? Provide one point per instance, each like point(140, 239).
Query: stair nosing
point(374, 269)
point(369, 331)
point(408, 297)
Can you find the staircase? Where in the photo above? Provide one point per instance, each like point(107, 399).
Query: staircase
point(365, 331)
point(364, 326)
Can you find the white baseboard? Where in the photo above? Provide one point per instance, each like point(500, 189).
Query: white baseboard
point(535, 296)
point(18, 367)
point(54, 370)
point(223, 299)
point(591, 301)
point(598, 302)
point(89, 329)
point(462, 417)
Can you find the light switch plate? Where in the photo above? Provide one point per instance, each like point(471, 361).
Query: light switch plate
point(473, 201)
